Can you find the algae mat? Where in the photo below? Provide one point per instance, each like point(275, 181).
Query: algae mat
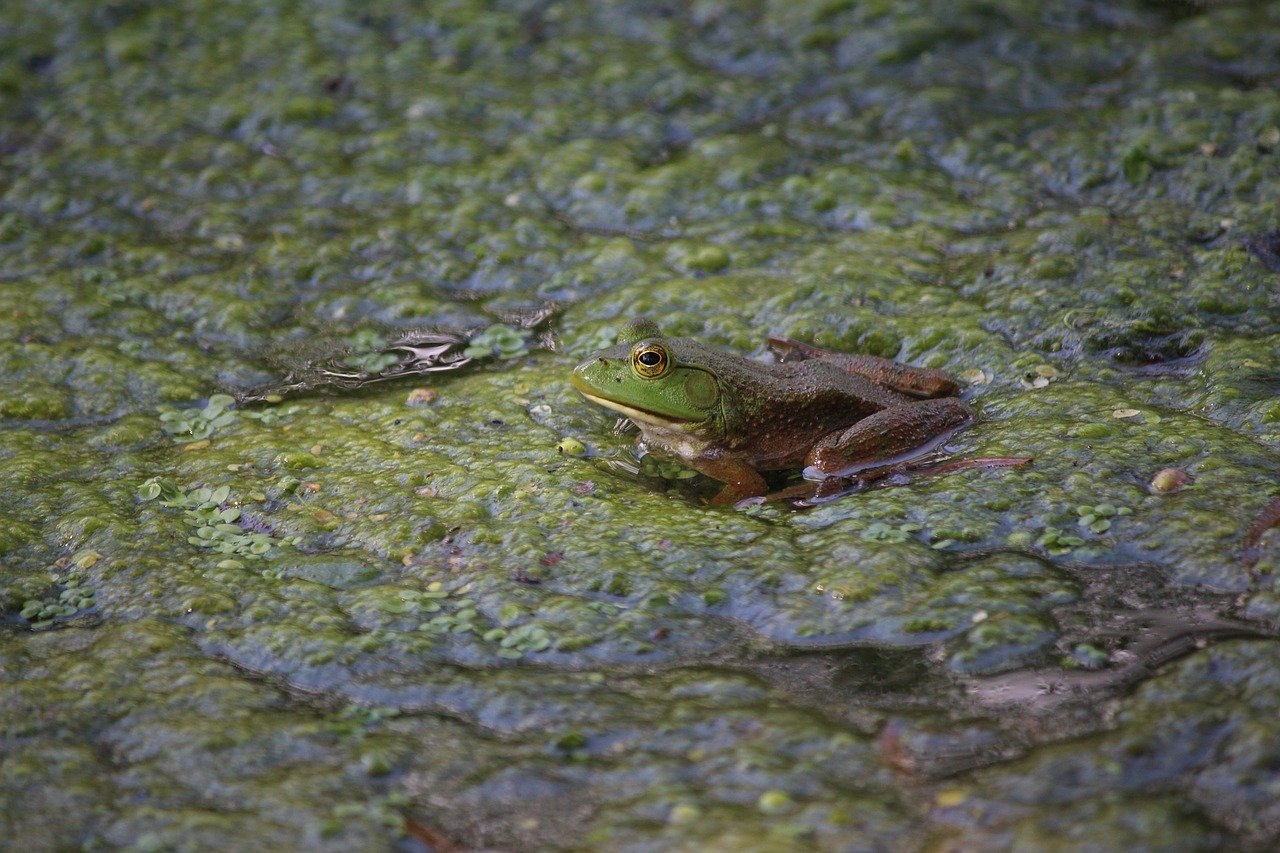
point(444, 612)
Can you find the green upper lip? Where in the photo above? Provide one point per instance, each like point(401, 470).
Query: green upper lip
point(592, 392)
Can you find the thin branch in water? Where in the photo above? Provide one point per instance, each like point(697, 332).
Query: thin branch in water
point(414, 353)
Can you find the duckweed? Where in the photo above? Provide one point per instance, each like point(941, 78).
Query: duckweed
point(1057, 542)
point(213, 523)
point(74, 597)
point(188, 425)
point(1098, 518)
point(193, 204)
point(665, 469)
point(497, 341)
point(879, 531)
point(369, 352)
point(774, 802)
point(197, 424)
point(388, 811)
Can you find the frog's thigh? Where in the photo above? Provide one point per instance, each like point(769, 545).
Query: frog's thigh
point(741, 480)
point(903, 378)
point(887, 435)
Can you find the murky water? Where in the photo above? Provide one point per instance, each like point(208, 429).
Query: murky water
point(438, 611)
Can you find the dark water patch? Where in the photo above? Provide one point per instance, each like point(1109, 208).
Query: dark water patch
point(1266, 249)
point(1154, 351)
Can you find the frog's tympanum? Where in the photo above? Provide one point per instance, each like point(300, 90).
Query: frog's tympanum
point(831, 414)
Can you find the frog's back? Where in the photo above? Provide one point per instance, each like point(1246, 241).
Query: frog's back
point(807, 386)
point(780, 410)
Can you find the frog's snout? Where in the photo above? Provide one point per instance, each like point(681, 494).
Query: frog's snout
point(592, 375)
point(579, 376)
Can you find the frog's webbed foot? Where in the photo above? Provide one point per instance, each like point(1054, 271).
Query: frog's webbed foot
point(921, 382)
point(886, 438)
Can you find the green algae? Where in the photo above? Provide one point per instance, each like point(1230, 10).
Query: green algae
point(476, 608)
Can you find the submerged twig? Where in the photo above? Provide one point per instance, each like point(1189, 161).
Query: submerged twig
point(414, 353)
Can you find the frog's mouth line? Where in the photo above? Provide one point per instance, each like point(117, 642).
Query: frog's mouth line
point(638, 415)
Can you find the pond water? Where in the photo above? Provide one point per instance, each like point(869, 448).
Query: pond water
point(453, 610)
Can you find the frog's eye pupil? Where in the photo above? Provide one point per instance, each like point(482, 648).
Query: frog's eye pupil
point(650, 361)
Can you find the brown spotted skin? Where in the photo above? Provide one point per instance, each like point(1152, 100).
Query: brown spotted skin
point(887, 435)
point(921, 382)
point(786, 408)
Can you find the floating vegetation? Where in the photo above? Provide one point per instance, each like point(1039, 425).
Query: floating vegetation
point(74, 596)
point(215, 525)
point(1058, 542)
point(385, 810)
point(879, 531)
point(201, 422)
point(369, 352)
point(515, 642)
point(497, 341)
point(187, 425)
point(1098, 518)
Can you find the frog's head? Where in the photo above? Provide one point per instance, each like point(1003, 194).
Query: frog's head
point(651, 380)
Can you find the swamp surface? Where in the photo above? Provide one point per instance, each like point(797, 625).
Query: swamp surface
point(454, 609)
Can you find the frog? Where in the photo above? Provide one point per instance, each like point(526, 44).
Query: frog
point(735, 419)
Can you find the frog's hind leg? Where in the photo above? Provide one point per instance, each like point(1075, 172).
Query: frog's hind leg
point(886, 438)
point(920, 382)
point(740, 480)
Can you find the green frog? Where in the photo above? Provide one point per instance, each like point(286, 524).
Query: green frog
point(830, 414)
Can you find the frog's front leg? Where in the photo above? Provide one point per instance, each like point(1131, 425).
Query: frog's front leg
point(740, 479)
point(886, 437)
point(923, 382)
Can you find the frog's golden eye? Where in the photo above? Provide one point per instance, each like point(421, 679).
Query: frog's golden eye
point(650, 360)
